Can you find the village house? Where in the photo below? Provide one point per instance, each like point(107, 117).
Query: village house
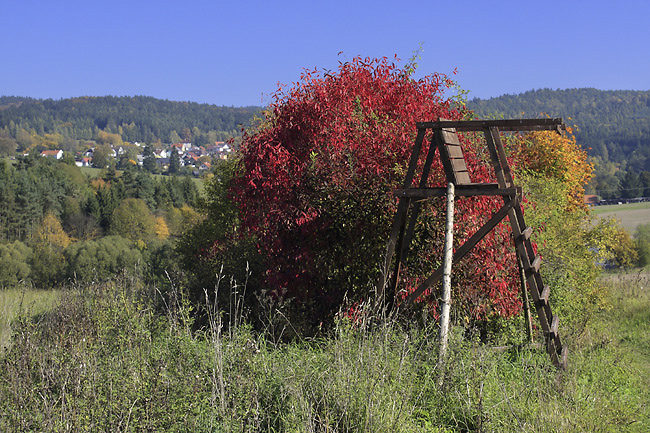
point(56, 154)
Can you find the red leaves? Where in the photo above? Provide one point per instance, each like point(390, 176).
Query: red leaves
point(317, 179)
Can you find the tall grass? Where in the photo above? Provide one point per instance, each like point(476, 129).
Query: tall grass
point(22, 301)
point(106, 359)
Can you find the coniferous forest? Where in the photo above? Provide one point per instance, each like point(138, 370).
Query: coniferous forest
point(613, 126)
point(134, 119)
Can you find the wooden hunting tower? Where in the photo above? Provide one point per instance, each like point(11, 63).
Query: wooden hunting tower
point(446, 141)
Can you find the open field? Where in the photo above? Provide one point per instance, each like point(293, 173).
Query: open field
point(105, 360)
point(629, 215)
point(95, 172)
point(22, 301)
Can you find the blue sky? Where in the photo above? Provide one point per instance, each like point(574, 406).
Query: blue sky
point(236, 53)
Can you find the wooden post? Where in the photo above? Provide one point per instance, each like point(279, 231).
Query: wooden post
point(446, 276)
point(525, 301)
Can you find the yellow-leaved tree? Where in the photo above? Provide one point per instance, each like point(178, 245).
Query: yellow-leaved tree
point(48, 262)
point(556, 156)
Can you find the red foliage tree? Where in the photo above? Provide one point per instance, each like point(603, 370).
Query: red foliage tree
point(316, 183)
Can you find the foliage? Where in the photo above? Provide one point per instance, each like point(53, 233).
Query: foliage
point(15, 258)
point(111, 119)
point(570, 248)
point(614, 128)
point(614, 124)
point(48, 261)
point(613, 244)
point(133, 220)
point(213, 247)
point(557, 157)
point(50, 204)
point(102, 157)
point(30, 189)
point(101, 259)
point(316, 189)
point(642, 243)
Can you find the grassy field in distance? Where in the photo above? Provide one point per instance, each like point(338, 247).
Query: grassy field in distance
point(16, 301)
point(629, 215)
point(92, 172)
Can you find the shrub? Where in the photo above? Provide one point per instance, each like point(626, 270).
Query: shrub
point(316, 182)
point(101, 259)
point(642, 243)
point(15, 258)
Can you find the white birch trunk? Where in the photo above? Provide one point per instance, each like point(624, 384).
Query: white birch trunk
point(446, 276)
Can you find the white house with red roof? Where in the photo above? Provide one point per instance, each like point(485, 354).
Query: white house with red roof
point(56, 154)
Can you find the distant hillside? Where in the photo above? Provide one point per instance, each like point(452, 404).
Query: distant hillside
point(137, 118)
point(615, 124)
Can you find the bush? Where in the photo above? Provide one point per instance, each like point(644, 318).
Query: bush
point(571, 249)
point(642, 243)
point(102, 259)
point(15, 258)
point(315, 190)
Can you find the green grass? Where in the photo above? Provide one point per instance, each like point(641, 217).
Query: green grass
point(14, 302)
point(96, 172)
point(629, 215)
point(105, 359)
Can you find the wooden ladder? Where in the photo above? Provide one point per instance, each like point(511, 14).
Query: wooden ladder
point(446, 141)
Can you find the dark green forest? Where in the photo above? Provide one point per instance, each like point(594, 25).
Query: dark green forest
point(613, 126)
point(135, 119)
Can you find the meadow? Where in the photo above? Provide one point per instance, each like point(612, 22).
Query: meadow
point(114, 357)
point(630, 215)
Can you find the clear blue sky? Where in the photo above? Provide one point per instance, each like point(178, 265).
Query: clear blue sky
point(236, 52)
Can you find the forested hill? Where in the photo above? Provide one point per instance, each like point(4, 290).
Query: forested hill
point(138, 118)
point(615, 124)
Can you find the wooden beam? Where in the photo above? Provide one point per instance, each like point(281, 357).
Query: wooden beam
point(503, 125)
point(461, 191)
point(464, 249)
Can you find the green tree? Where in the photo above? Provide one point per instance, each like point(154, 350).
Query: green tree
point(642, 243)
point(102, 156)
point(133, 220)
point(15, 258)
point(645, 181)
point(149, 159)
point(146, 188)
point(631, 185)
point(174, 162)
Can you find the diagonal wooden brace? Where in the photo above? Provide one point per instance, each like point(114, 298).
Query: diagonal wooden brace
point(465, 248)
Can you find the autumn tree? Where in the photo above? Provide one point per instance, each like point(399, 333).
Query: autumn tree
point(556, 156)
point(316, 183)
point(48, 261)
point(133, 220)
point(8, 145)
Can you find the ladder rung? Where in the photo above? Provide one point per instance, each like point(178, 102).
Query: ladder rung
point(449, 137)
point(564, 354)
point(543, 298)
point(554, 325)
point(537, 263)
